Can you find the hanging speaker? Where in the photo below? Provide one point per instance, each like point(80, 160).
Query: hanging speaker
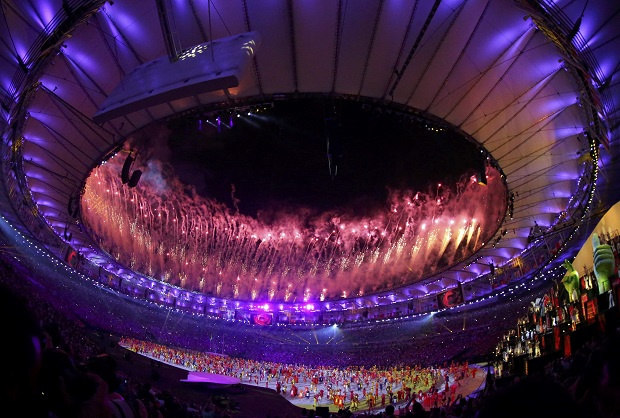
point(73, 207)
point(70, 205)
point(481, 172)
point(66, 234)
point(126, 167)
point(135, 178)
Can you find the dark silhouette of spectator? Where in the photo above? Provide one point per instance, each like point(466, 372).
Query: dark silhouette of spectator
point(418, 410)
point(105, 367)
point(21, 355)
point(597, 384)
point(532, 397)
point(69, 391)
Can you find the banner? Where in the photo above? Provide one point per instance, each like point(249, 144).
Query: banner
point(451, 297)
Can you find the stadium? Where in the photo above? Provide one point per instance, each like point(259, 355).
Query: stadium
point(328, 183)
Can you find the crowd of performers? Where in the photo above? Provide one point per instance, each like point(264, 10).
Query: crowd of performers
point(353, 387)
point(571, 302)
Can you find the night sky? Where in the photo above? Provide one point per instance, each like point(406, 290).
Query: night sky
point(278, 158)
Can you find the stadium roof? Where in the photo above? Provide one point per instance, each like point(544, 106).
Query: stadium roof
point(536, 85)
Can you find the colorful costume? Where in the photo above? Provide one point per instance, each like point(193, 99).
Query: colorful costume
point(604, 264)
point(571, 282)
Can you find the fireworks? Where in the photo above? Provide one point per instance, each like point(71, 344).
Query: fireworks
point(162, 230)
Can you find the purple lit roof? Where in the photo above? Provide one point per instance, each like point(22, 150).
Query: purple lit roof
point(484, 68)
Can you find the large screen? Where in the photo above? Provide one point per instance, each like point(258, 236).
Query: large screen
point(200, 69)
point(262, 318)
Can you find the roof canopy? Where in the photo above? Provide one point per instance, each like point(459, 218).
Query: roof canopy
point(532, 84)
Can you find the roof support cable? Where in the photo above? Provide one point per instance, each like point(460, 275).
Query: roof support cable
point(496, 62)
point(168, 29)
point(291, 37)
point(402, 48)
point(248, 27)
point(461, 54)
point(455, 16)
point(414, 48)
point(337, 41)
point(370, 46)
